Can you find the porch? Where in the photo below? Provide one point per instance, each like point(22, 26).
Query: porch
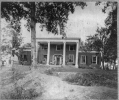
point(59, 56)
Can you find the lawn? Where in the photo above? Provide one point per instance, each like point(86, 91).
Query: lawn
point(60, 83)
point(86, 77)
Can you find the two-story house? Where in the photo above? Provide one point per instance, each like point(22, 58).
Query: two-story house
point(57, 51)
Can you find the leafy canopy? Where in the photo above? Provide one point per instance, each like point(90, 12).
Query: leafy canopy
point(49, 14)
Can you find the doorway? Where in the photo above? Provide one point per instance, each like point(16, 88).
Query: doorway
point(58, 59)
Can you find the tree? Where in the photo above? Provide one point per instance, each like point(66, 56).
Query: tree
point(111, 25)
point(98, 42)
point(10, 39)
point(49, 14)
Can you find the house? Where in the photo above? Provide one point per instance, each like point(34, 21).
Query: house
point(89, 58)
point(25, 56)
point(58, 51)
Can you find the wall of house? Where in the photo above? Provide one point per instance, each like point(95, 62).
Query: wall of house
point(28, 56)
point(53, 52)
point(89, 59)
point(40, 55)
point(70, 52)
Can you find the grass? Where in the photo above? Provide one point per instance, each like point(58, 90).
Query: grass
point(19, 93)
point(93, 79)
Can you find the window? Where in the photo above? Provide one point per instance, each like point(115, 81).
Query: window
point(44, 47)
point(25, 57)
point(94, 59)
point(58, 47)
point(45, 58)
point(71, 58)
point(83, 59)
point(71, 47)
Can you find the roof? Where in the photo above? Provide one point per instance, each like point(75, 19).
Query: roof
point(60, 38)
point(89, 52)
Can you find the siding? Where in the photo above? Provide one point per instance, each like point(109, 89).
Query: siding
point(70, 52)
point(40, 54)
point(53, 51)
point(89, 58)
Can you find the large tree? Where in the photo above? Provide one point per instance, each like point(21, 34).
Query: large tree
point(99, 42)
point(105, 40)
point(111, 25)
point(49, 14)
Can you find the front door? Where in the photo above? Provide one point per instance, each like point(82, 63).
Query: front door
point(58, 59)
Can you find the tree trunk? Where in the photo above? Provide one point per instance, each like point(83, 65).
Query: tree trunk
point(33, 35)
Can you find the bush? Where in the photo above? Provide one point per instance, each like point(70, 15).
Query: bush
point(49, 71)
point(20, 93)
point(93, 79)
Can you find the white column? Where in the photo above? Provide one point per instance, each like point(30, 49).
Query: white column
point(77, 49)
point(48, 53)
point(36, 51)
point(37, 48)
point(101, 60)
point(64, 52)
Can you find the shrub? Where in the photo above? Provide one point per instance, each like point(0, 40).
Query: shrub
point(49, 71)
point(20, 93)
point(93, 79)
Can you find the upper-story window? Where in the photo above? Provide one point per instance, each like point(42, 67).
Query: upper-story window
point(44, 47)
point(58, 47)
point(71, 47)
point(94, 59)
point(71, 58)
point(83, 59)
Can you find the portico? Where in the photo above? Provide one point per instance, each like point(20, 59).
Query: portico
point(67, 52)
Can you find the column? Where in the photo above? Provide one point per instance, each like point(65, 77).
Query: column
point(101, 60)
point(76, 60)
point(64, 52)
point(48, 53)
point(37, 48)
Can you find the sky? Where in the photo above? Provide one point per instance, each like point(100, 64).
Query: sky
point(82, 23)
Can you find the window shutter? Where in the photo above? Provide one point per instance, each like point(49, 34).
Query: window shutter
point(86, 59)
point(98, 60)
point(91, 59)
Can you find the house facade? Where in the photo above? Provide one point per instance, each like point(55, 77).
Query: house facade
point(25, 56)
point(57, 51)
point(89, 58)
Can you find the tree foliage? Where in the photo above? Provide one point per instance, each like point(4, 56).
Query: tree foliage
point(111, 24)
point(106, 39)
point(49, 14)
point(10, 38)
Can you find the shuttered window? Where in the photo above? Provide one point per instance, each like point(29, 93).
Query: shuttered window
point(71, 47)
point(94, 59)
point(58, 47)
point(71, 58)
point(83, 59)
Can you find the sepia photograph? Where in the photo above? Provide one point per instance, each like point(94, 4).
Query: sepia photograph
point(59, 50)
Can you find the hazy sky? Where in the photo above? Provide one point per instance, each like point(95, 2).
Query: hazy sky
point(82, 23)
